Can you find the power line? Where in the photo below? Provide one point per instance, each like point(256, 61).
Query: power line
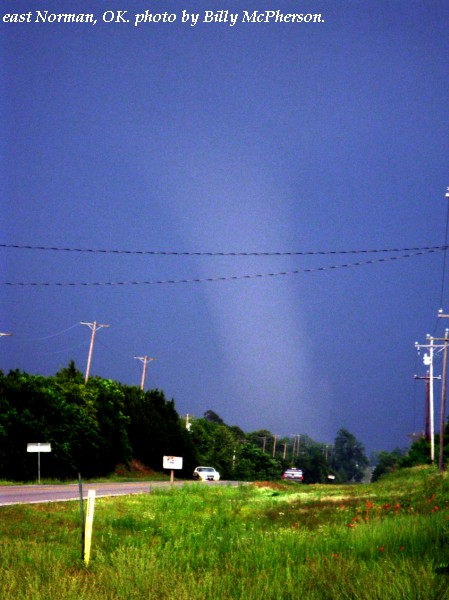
point(421, 252)
point(177, 253)
point(443, 279)
point(46, 337)
point(443, 275)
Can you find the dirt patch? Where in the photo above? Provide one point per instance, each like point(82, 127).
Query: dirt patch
point(272, 485)
point(135, 468)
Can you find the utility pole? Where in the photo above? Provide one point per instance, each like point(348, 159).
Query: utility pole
point(295, 449)
point(427, 380)
point(443, 389)
point(274, 445)
point(188, 424)
point(145, 360)
point(443, 395)
point(428, 361)
point(427, 431)
point(432, 425)
point(443, 402)
point(94, 327)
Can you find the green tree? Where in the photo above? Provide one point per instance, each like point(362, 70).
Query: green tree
point(212, 416)
point(215, 445)
point(46, 409)
point(155, 429)
point(70, 373)
point(313, 463)
point(113, 422)
point(386, 463)
point(418, 454)
point(262, 438)
point(348, 459)
point(253, 464)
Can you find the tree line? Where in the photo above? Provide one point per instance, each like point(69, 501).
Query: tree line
point(418, 454)
point(93, 427)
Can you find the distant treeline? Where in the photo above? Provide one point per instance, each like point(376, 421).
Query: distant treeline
point(94, 427)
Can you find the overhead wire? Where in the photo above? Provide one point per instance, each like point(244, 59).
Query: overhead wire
point(178, 253)
point(46, 337)
point(443, 274)
point(446, 235)
point(419, 252)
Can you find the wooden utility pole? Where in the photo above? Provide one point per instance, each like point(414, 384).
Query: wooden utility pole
point(428, 361)
point(94, 327)
point(274, 445)
point(432, 433)
point(145, 360)
point(427, 431)
point(427, 421)
point(443, 402)
point(443, 390)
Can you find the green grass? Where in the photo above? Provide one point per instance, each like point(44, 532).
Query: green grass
point(385, 540)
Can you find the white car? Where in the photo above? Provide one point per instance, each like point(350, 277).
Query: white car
point(293, 474)
point(206, 474)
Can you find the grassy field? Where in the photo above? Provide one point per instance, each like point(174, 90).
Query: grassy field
point(388, 540)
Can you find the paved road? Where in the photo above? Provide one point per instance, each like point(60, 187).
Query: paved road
point(34, 494)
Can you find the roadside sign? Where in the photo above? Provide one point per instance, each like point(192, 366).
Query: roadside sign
point(39, 447)
point(172, 462)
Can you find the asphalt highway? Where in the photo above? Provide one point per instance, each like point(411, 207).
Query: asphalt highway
point(35, 494)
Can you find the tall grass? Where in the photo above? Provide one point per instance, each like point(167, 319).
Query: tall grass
point(381, 541)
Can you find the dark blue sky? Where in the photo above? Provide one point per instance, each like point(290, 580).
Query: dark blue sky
point(268, 137)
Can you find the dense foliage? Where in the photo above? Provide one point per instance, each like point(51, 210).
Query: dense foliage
point(348, 459)
point(94, 427)
point(91, 428)
point(418, 454)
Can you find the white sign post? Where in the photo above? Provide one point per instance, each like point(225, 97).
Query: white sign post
point(89, 524)
point(172, 462)
point(38, 448)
